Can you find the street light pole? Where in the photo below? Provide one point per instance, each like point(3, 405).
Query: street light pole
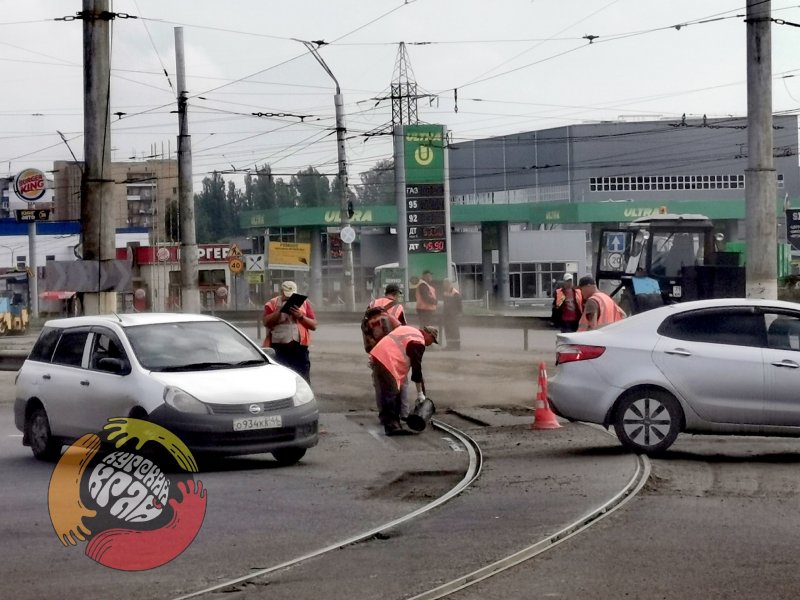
point(349, 275)
point(11, 251)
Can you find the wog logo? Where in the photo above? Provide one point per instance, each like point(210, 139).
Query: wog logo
point(129, 493)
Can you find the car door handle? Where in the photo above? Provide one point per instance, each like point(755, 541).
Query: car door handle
point(85, 382)
point(46, 377)
point(789, 364)
point(678, 351)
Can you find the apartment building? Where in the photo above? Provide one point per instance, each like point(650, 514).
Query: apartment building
point(143, 192)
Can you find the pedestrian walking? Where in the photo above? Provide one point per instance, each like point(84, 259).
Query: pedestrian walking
point(289, 325)
point(394, 356)
point(598, 307)
point(425, 295)
point(567, 305)
point(452, 309)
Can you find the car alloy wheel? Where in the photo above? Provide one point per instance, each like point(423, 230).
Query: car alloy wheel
point(43, 446)
point(648, 421)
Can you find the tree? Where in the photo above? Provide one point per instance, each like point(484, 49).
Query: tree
point(260, 189)
point(210, 209)
point(285, 194)
point(312, 188)
point(377, 184)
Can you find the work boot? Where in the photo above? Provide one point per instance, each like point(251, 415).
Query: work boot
point(394, 429)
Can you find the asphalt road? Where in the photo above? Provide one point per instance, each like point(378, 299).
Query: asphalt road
point(716, 519)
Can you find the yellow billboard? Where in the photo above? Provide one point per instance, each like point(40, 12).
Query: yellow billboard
point(285, 255)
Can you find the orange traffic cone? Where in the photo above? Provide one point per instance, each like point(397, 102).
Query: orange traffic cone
point(543, 417)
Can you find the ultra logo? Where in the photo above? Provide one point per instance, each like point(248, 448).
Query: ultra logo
point(137, 506)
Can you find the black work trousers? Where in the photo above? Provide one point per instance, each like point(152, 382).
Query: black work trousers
point(295, 356)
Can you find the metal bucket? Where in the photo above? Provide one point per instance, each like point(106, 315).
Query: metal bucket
point(421, 416)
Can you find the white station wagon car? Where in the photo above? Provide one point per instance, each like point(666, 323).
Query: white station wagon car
point(726, 366)
point(197, 376)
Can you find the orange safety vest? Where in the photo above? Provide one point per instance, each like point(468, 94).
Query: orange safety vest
point(391, 352)
point(305, 333)
point(393, 307)
point(561, 297)
point(609, 312)
point(421, 304)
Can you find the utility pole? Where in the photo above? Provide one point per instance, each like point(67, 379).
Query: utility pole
point(190, 288)
point(349, 275)
point(398, 147)
point(97, 183)
point(760, 185)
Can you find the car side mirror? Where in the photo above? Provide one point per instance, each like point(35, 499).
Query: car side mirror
point(117, 366)
point(270, 352)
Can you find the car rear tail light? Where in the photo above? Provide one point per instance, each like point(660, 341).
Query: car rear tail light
point(576, 352)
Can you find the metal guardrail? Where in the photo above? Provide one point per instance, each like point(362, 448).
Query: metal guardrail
point(523, 323)
point(11, 360)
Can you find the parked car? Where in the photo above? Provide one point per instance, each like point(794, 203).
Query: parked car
point(725, 366)
point(197, 376)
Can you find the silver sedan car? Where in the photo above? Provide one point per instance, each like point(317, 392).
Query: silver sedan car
point(197, 376)
point(726, 366)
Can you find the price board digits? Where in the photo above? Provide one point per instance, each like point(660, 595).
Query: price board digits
point(426, 218)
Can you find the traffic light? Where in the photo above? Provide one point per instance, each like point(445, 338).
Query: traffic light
point(350, 211)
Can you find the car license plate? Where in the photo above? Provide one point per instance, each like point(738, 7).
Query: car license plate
point(257, 423)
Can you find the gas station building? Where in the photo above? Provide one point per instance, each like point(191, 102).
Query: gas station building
point(526, 208)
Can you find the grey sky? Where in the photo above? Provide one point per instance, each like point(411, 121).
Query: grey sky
point(518, 65)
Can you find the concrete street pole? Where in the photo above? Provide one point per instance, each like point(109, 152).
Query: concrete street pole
point(190, 286)
point(400, 202)
point(97, 184)
point(760, 185)
point(33, 281)
point(349, 274)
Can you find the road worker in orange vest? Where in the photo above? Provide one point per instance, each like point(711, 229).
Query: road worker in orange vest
point(598, 307)
point(289, 332)
point(390, 301)
point(567, 305)
point(425, 296)
point(392, 358)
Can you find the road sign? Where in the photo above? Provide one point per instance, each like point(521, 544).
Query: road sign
point(235, 251)
point(88, 275)
point(236, 265)
point(793, 228)
point(348, 234)
point(254, 263)
point(615, 242)
point(255, 277)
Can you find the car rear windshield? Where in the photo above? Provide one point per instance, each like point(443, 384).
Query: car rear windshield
point(192, 346)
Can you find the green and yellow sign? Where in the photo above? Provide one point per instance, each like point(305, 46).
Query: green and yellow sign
point(424, 153)
point(427, 207)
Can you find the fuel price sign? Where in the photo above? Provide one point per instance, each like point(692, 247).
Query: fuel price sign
point(426, 219)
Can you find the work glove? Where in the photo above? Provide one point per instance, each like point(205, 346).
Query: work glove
point(420, 397)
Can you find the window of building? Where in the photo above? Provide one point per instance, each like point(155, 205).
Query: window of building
point(211, 277)
point(672, 182)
